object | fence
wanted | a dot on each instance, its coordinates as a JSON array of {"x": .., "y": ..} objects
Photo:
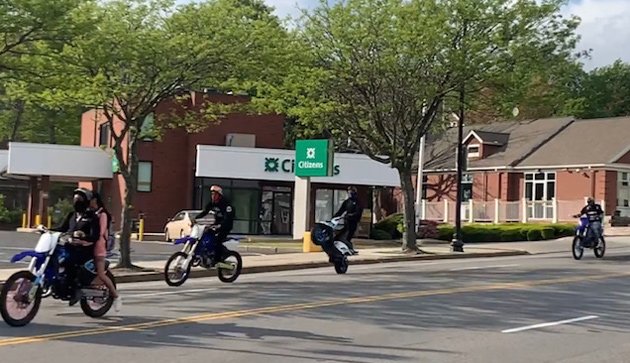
[{"x": 499, "y": 211}]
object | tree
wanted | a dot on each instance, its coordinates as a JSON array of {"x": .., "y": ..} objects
[
  {"x": 25, "y": 22},
  {"x": 605, "y": 91},
  {"x": 377, "y": 71},
  {"x": 141, "y": 53}
]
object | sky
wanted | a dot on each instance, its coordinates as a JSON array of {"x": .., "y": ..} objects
[{"x": 605, "y": 26}]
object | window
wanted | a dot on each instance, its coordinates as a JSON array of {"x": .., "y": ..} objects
[
  {"x": 144, "y": 176},
  {"x": 540, "y": 188},
  {"x": 473, "y": 151},
  {"x": 467, "y": 187},
  {"x": 103, "y": 135},
  {"x": 328, "y": 202},
  {"x": 623, "y": 189}
]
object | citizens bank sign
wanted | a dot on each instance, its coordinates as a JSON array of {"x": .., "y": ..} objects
[{"x": 276, "y": 165}]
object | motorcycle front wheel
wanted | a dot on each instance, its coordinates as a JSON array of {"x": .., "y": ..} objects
[
  {"x": 179, "y": 273},
  {"x": 577, "y": 249},
  {"x": 15, "y": 306}
]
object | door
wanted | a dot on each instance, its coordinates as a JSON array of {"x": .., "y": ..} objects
[{"x": 282, "y": 213}]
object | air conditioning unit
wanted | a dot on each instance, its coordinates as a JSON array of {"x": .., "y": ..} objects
[{"x": 240, "y": 140}]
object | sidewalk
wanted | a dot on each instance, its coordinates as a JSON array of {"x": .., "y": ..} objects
[{"x": 153, "y": 270}]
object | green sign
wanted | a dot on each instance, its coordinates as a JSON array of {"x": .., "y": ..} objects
[
  {"x": 276, "y": 165},
  {"x": 314, "y": 158}
]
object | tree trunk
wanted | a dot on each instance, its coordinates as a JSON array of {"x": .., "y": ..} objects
[
  {"x": 377, "y": 204},
  {"x": 409, "y": 235},
  {"x": 125, "y": 233},
  {"x": 19, "y": 112},
  {"x": 130, "y": 176}
]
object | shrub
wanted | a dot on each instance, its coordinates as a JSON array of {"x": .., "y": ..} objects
[
  {"x": 427, "y": 229},
  {"x": 390, "y": 224},
  {"x": 379, "y": 234},
  {"x": 548, "y": 233},
  {"x": 473, "y": 233},
  {"x": 445, "y": 232},
  {"x": 534, "y": 234}
]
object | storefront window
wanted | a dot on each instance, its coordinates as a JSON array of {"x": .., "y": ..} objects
[{"x": 328, "y": 202}]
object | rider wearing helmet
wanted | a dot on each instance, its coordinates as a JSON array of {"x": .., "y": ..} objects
[
  {"x": 223, "y": 212},
  {"x": 595, "y": 215},
  {"x": 353, "y": 211},
  {"x": 83, "y": 224}
]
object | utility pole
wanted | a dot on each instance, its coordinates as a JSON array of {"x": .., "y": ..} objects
[{"x": 457, "y": 245}]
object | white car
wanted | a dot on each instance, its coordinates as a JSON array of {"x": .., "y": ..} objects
[{"x": 179, "y": 225}]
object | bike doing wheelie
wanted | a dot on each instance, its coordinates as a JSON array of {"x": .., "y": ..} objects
[
  {"x": 198, "y": 250},
  {"x": 587, "y": 237},
  {"x": 329, "y": 235},
  {"x": 22, "y": 293}
]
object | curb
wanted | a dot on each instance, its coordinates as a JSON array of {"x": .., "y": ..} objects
[{"x": 159, "y": 275}]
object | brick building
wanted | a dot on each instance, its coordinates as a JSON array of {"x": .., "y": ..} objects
[{"x": 551, "y": 164}]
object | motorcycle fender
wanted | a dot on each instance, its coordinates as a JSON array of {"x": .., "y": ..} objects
[
  {"x": 31, "y": 253},
  {"x": 342, "y": 247}
]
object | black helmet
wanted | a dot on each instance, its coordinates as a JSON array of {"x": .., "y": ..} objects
[{"x": 85, "y": 193}]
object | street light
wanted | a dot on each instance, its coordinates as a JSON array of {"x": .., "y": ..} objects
[{"x": 457, "y": 245}]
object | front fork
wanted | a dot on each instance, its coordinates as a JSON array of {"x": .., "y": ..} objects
[{"x": 39, "y": 275}]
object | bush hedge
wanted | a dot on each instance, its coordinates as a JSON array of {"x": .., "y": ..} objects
[{"x": 390, "y": 228}]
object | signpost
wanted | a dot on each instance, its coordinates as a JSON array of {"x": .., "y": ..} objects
[{"x": 313, "y": 158}]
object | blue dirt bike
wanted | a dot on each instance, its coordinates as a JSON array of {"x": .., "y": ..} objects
[
  {"x": 585, "y": 238},
  {"x": 198, "y": 251},
  {"x": 22, "y": 293}
]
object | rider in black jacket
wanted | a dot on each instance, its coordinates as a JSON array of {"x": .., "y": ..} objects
[
  {"x": 83, "y": 224},
  {"x": 595, "y": 215},
  {"x": 223, "y": 212},
  {"x": 353, "y": 211}
]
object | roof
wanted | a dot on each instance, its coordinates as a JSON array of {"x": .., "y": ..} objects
[
  {"x": 517, "y": 140},
  {"x": 608, "y": 139},
  {"x": 489, "y": 138}
]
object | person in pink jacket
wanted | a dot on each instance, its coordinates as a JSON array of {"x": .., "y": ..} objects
[{"x": 100, "y": 247}]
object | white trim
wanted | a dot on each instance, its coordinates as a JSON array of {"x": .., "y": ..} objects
[
  {"x": 475, "y": 154},
  {"x": 610, "y": 167},
  {"x": 472, "y": 133},
  {"x": 618, "y": 156}
]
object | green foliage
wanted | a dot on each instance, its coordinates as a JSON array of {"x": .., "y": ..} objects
[
  {"x": 474, "y": 233},
  {"x": 379, "y": 234},
  {"x": 60, "y": 210},
  {"x": 5, "y": 214},
  {"x": 390, "y": 225},
  {"x": 376, "y": 72}
]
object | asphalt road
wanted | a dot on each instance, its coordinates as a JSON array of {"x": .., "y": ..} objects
[
  {"x": 474, "y": 310},
  {"x": 14, "y": 242}
]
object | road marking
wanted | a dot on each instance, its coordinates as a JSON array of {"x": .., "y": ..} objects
[
  {"x": 169, "y": 293},
  {"x": 481, "y": 267},
  {"x": 300, "y": 307},
  {"x": 554, "y": 323}
]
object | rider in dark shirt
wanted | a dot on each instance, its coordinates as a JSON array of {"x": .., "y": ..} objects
[
  {"x": 353, "y": 211},
  {"x": 595, "y": 215},
  {"x": 223, "y": 212},
  {"x": 83, "y": 224}
]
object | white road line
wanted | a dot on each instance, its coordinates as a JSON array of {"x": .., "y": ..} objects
[
  {"x": 175, "y": 292},
  {"x": 481, "y": 267},
  {"x": 544, "y": 325}
]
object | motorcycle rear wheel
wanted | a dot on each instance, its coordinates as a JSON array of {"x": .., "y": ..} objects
[{"x": 96, "y": 311}]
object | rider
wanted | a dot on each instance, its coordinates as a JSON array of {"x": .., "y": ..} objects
[
  {"x": 353, "y": 210},
  {"x": 223, "y": 219},
  {"x": 595, "y": 215},
  {"x": 83, "y": 224}
]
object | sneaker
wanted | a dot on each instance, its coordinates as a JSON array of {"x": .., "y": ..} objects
[
  {"x": 75, "y": 298},
  {"x": 118, "y": 304}
]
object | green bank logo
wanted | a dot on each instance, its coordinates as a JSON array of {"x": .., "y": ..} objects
[
  {"x": 275, "y": 165},
  {"x": 272, "y": 165}
]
